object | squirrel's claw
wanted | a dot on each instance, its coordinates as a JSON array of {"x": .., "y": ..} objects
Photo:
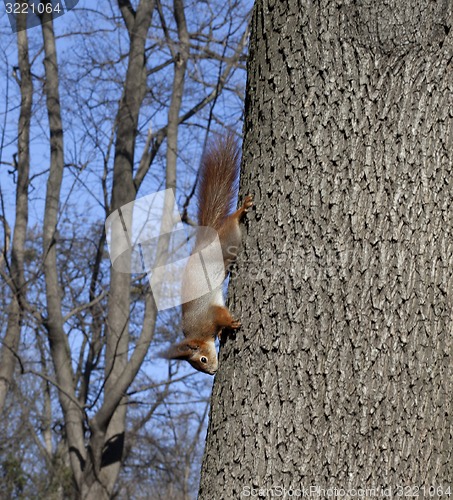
[{"x": 248, "y": 202}]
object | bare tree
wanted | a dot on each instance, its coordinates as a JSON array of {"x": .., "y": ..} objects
[
  {"x": 86, "y": 327},
  {"x": 341, "y": 376},
  {"x": 14, "y": 272}
]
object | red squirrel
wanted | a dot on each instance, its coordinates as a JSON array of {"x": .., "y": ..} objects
[{"x": 204, "y": 318}]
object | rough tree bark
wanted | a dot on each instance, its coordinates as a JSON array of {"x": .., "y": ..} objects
[{"x": 341, "y": 376}]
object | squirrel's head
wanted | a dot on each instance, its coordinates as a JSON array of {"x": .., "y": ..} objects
[{"x": 202, "y": 355}]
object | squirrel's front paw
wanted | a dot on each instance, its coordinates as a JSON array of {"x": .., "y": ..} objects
[{"x": 235, "y": 325}]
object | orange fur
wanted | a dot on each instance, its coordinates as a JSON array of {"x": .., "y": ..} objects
[
  {"x": 206, "y": 317},
  {"x": 218, "y": 183}
]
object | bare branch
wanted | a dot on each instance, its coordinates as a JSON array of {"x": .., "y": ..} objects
[
  {"x": 6, "y": 240},
  {"x": 154, "y": 141},
  {"x": 82, "y": 307},
  {"x": 128, "y": 13}
]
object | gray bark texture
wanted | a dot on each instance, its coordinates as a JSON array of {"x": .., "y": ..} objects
[{"x": 341, "y": 375}]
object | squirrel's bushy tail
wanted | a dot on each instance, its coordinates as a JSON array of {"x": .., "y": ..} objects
[{"x": 218, "y": 181}]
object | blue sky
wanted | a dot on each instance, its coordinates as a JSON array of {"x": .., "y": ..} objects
[{"x": 90, "y": 90}]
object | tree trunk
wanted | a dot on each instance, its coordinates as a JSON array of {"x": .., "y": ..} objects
[
  {"x": 341, "y": 375},
  {"x": 108, "y": 426},
  {"x": 10, "y": 344},
  {"x": 58, "y": 340}
]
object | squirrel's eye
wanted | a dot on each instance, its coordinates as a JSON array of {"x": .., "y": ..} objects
[{"x": 204, "y": 359}]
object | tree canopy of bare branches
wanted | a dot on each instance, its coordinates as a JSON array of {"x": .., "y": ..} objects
[{"x": 103, "y": 105}]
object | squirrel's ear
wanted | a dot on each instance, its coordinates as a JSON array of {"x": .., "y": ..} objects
[{"x": 183, "y": 350}]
